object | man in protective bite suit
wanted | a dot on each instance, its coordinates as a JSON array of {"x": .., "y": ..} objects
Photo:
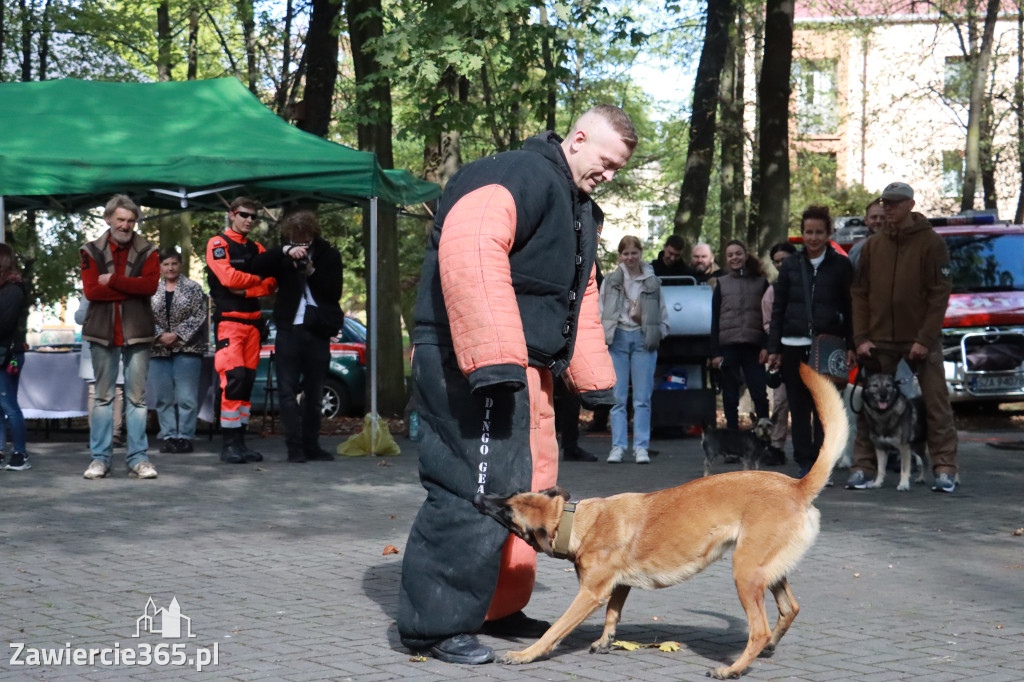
[{"x": 507, "y": 302}]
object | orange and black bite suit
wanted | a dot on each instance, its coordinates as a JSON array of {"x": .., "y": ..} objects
[{"x": 507, "y": 301}]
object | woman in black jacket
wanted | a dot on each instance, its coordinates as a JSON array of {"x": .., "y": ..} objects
[
  {"x": 13, "y": 314},
  {"x": 812, "y": 296}
]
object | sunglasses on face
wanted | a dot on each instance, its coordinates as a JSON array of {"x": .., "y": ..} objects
[{"x": 245, "y": 215}]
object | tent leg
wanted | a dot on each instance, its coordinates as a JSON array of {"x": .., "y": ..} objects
[{"x": 373, "y": 317}]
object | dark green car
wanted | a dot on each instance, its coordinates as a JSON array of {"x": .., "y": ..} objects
[{"x": 345, "y": 385}]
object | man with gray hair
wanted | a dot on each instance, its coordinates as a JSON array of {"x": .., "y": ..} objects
[
  {"x": 900, "y": 293},
  {"x": 120, "y": 274}
]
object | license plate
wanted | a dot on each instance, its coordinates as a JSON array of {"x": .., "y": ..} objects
[{"x": 996, "y": 382}]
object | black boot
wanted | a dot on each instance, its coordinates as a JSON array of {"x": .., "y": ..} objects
[
  {"x": 315, "y": 453},
  {"x": 250, "y": 454},
  {"x": 232, "y": 452}
]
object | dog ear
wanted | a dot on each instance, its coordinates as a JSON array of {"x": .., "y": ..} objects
[{"x": 557, "y": 491}]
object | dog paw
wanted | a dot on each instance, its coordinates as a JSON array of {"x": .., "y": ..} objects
[
  {"x": 515, "y": 658},
  {"x": 767, "y": 652},
  {"x": 903, "y": 487},
  {"x": 873, "y": 484},
  {"x": 722, "y": 674},
  {"x": 600, "y": 648}
]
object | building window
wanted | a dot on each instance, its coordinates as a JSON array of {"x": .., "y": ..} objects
[
  {"x": 956, "y": 83},
  {"x": 953, "y": 173},
  {"x": 816, "y": 96}
]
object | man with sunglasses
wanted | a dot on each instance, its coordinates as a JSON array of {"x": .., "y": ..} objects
[
  {"x": 900, "y": 293},
  {"x": 236, "y": 297}
]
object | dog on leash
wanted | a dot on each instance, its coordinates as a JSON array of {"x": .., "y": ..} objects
[
  {"x": 896, "y": 423},
  {"x": 750, "y": 446},
  {"x": 653, "y": 540}
]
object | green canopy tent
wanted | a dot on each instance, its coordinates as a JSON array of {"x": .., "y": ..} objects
[{"x": 67, "y": 145}]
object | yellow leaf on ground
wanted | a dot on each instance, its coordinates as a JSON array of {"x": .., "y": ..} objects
[
  {"x": 669, "y": 646},
  {"x": 628, "y": 646}
]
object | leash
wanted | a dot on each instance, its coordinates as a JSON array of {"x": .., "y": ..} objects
[{"x": 560, "y": 550}]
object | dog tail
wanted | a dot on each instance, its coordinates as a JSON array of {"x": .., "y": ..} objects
[{"x": 829, "y": 403}]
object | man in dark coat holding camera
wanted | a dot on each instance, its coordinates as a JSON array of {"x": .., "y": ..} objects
[{"x": 307, "y": 314}]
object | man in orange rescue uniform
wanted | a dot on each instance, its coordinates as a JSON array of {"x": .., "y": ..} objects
[
  {"x": 236, "y": 295},
  {"x": 507, "y": 302}
]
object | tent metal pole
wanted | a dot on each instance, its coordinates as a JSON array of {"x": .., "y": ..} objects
[
  {"x": 3, "y": 221},
  {"x": 373, "y": 320}
]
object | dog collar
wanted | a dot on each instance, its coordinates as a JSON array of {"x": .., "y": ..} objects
[{"x": 561, "y": 547}]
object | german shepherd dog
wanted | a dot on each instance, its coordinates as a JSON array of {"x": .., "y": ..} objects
[
  {"x": 751, "y": 446},
  {"x": 896, "y": 423},
  {"x": 653, "y": 540}
]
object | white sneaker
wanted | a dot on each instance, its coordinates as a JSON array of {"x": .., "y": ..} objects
[
  {"x": 641, "y": 456},
  {"x": 143, "y": 469},
  {"x": 615, "y": 456},
  {"x": 97, "y": 469}
]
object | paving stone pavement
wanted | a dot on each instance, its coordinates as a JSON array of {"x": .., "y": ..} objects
[{"x": 281, "y": 566}]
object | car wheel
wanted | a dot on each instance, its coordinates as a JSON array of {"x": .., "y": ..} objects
[{"x": 336, "y": 402}]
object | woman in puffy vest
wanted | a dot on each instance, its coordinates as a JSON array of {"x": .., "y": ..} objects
[
  {"x": 635, "y": 321},
  {"x": 737, "y": 332}
]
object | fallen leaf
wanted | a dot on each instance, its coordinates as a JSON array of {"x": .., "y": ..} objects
[
  {"x": 628, "y": 646},
  {"x": 669, "y": 646},
  {"x": 1018, "y": 532},
  {"x": 390, "y": 549},
  {"x": 999, "y": 626},
  {"x": 655, "y": 618},
  {"x": 856, "y": 575},
  {"x": 417, "y": 659}
]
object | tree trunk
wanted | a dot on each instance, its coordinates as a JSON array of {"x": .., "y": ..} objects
[
  {"x": 549, "y": 69},
  {"x": 739, "y": 171},
  {"x": 442, "y": 155},
  {"x": 754, "y": 215},
  {"x": 774, "y": 91},
  {"x": 979, "y": 77},
  {"x": 44, "y": 42},
  {"x": 26, "y": 41},
  {"x": 373, "y": 106},
  {"x": 321, "y": 67},
  {"x": 281, "y": 98},
  {"x": 1018, "y": 98},
  {"x": 192, "y": 68},
  {"x": 3, "y": 33},
  {"x": 729, "y": 137},
  {"x": 245, "y": 14},
  {"x": 693, "y": 196},
  {"x": 163, "y": 42}
]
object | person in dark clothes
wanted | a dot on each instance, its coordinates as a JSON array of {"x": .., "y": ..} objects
[
  {"x": 670, "y": 261},
  {"x": 308, "y": 271}
]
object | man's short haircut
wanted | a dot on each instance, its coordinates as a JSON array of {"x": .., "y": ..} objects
[
  {"x": 706, "y": 245},
  {"x": 817, "y": 213},
  {"x": 676, "y": 242},
  {"x": 619, "y": 121},
  {"x": 121, "y": 201},
  {"x": 300, "y": 226},
  {"x": 877, "y": 201},
  {"x": 782, "y": 246},
  {"x": 246, "y": 202},
  {"x": 169, "y": 252}
]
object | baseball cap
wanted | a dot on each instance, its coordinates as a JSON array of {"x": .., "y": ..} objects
[{"x": 897, "y": 191}]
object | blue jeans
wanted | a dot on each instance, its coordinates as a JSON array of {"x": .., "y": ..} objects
[
  {"x": 105, "y": 361},
  {"x": 632, "y": 361},
  {"x": 176, "y": 384},
  {"x": 10, "y": 411}
]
